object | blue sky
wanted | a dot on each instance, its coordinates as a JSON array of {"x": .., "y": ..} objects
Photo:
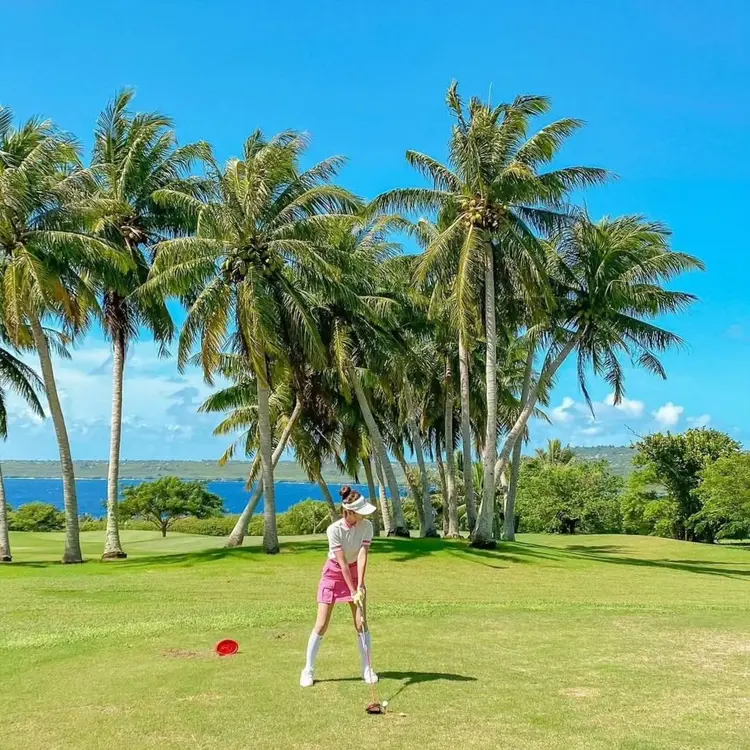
[{"x": 662, "y": 86}]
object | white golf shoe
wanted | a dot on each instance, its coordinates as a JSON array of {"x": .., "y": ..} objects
[
  {"x": 306, "y": 679},
  {"x": 369, "y": 676}
]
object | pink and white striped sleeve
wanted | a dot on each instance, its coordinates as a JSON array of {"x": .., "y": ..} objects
[
  {"x": 334, "y": 537},
  {"x": 367, "y": 539}
]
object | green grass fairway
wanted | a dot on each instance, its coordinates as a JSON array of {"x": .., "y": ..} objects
[{"x": 553, "y": 642}]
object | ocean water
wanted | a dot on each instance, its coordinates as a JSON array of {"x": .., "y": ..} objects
[{"x": 92, "y": 493}]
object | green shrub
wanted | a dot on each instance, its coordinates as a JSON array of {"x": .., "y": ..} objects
[
  {"x": 306, "y": 517},
  {"x": 255, "y": 528},
  {"x": 220, "y": 526},
  {"x": 36, "y": 517},
  {"x": 89, "y": 523},
  {"x": 136, "y": 524}
]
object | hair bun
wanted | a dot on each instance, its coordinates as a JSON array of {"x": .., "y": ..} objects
[{"x": 345, "y": 491}]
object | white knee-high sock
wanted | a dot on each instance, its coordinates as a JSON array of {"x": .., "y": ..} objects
[
  {"x": 364, "y": 641},
  {"x": 313, "y": 644}
]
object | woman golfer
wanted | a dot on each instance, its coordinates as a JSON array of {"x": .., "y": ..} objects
[{"x": 343, "y": 580}]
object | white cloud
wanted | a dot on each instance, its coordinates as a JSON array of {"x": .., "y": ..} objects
[
  {"x": 702, "y": 421},
  {"x": 562, "y": 413},
  {"x": 736, "y": 332},
  {"x": 629, "y": 406},
  {"x": 669, "y": 414},
  {"x": 593, "y": 430},
  {"x": 160, "y": 409}
]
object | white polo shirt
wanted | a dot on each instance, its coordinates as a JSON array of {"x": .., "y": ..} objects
[{"x": 349, "y": 539}]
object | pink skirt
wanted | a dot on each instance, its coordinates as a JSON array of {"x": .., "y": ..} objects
[{"x": 332, "y": 588}]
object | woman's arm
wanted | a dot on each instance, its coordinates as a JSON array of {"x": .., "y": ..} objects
[
  {"x": 345, "y": 570},
  {"x": 362, "y": 565}
]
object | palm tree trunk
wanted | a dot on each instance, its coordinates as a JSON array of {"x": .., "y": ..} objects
[
  {"x": 5, "y": 555},
  {"x": 72, "y": 553},
  {"x": 497, "y": 522},
  {"x": 237, "y": 536},
  {"x": 270, "y": 534},
  {"x": 530, "y": 405},
  {"x": 372, "y": 494},
  {"x": 428, "y": 521},
  {"x": 382, "y": 456},
  {"x": 327, "y": 496},
  {"x": 463, "y": 360},
  {"x": 416, "y": 493},
  {"x": 483, "y": 536},
  {"x": 112, "y": 546},
  {"x": 450, "y": 484},
  {"x": 385, "y": 511},
  {"x": 443, "y": 486},
  {"x": 509, "y": 516}
]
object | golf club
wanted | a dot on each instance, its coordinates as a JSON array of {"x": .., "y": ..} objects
[{"x": 376, "y": 707}]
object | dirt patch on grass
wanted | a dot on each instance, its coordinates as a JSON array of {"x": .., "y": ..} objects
[{"x": 182, "y": 653}]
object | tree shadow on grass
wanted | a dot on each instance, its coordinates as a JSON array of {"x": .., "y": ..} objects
[
  {"x": 187, "y": 559},
  {"x": 408, "y": 679},
  {"x": 707, "y": 567},
  {"x": 399, "y": 550},
  {"x": 593, "y": 549},
  {"x": 405, "y": 550}
]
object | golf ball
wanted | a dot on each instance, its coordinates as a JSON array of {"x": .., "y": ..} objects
[{"x": 385, "y": 704}]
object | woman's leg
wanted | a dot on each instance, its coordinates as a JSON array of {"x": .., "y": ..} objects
[
  {"x": 313, "y": 644},
  {"x": 323, "y": 619}
]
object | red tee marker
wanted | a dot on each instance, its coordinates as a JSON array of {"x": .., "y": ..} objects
[{"x": 227, "y": 647}]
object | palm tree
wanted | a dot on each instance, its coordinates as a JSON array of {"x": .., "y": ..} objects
[
  {"x": 555, "y": 453},
  {"x": 18, "y": 377},
  {"x": 240, "y": 400},
  {"x": 496, "y": 199},
  {"x": 360, "y": 326},
  {"x": 253, "y": 268},
  {"x": 46, "y": 252},
  {"x": 608, "y": 278},
  {"x": 134, "y": 156}
]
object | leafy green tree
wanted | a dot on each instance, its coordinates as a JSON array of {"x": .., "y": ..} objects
[
  {"x": 675, "y": 462},
  {"x": 646, "y": 509},
  {"x": 569, "y": 498},
  {"x": 164, "y": 500},
  {"x": 724, "y": 491},
  {"x": 37, "y": 517},
  {"x": 252, "y": 270}
]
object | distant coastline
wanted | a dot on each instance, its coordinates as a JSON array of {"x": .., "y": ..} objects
[{"x": 287, "y": 471}]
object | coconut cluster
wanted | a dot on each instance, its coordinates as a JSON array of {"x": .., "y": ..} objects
[
  {"x": 481, "y": 213},
  {"x": 235, "y": 268}
]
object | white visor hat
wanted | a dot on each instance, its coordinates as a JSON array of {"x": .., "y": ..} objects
[{"x": 361, "y": 506}]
